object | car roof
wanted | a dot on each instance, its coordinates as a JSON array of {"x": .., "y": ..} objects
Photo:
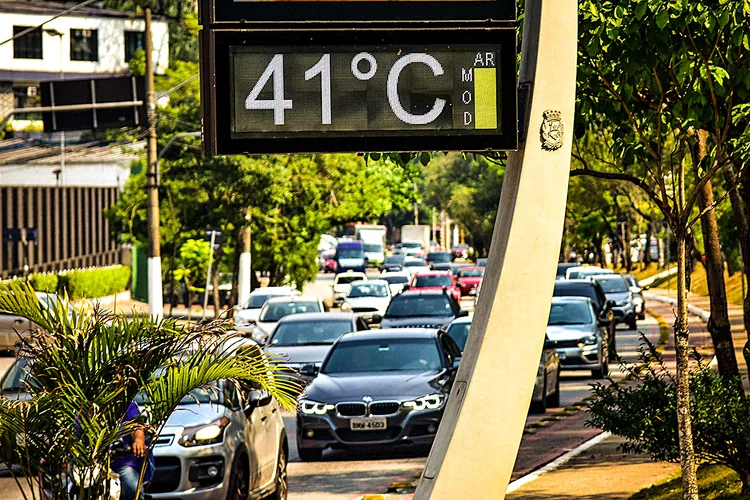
[
  {"x": 317, "y": 316},
  {"x": 371, "y": 282},
  {"x": 389, "y": 334},
  {"x": 469, "y": 268},
  {"x": 432, "y": 273},
  {"x": 406, "y": 274},
  {"x": 608, "y": 277},
  {"x": 293, "y": 298},
  {"x": 462, "y": 320},
  {"x": 423, "y": 292},
  {"x": 565, "y": 283},
  {"x": 571, "y": 298},
  {"x": 266, "y": 290}
]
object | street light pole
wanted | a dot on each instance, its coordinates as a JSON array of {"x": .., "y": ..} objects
[
  {"x": 155, "y": 298},
  {"x": 60, "y": 34}
]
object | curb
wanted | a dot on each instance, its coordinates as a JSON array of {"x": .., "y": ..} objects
[
  {"x": 664, "y": 274},
  {"x": 695, "y": 311}
]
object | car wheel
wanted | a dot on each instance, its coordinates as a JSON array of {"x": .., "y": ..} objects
[
  {"x": 540, "y": 407},
  {"x": 310, "y": 454},
  {"x": 554, "y": 399},
  {"x": 642, "y": 316},
  {"x": 282, "y": 484},
  {"x": 632, "y": 324},
  {"x": 603, "y": 369},
  {"x": 239, "y": 486}
]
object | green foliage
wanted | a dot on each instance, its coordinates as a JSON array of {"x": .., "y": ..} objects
[
  {"x": 645, "y": 413},
  {"x": 192, "y": 264},
  {"x": 44, "y": 282},
  {"x": 95, "y": 282},
  {"x": 88, "y": 366},
  {"x": 137, "y": 63}
]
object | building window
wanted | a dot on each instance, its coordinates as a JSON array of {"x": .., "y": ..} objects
[
  {"x": 134, "y": 40},
  {"x": 84, "y": 45},
  {"x": 28, "y": 46}
]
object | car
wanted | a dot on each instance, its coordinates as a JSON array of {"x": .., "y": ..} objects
[
  {"x": 547, "y": 386},
  {"x": 369, "y": 297},
  {"x": 638, "y": 300},
  {"x": 578, "y": 334},
  {"x": 455, "y": 268},
  {"x": 327, "y": 262},
  {"x": 245, "y": 318},
  {"x": 276, "y": 308},
  {"x": 397, "y": 281},
  {"x": 603, "y": 307},
  {"x": 411, "y": 248},
  {"x": 436, "y": 280},
  {"x": 379, "y": 388},
  {"x": 304, "y": 339},
  {"x": 460, "y": 251},
  {"x": 415, "y": 265},
  {"x": 469, "y": 279},
  {"x": 342, "y": 282},
  {"x": 350, "y": 256},
  {"x": 439, "y": 261},
  {"x": 421, "y": 308},
  {"x": 13, "y": 327},
  {"x": 562, "y": 267},
  {"x": 482, "y": 262},
  {"x": 13, "y": 382},
  {"x": 580, "y": 272},
  {"x": 393, "y": 263},
  {"x": 374, "y": 254},
  {"x": 617, "y": 289}
]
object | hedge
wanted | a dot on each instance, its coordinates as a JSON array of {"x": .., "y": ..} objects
[
  {"x": 95, "y": 282},
  {"x": 47, "y": 282}
]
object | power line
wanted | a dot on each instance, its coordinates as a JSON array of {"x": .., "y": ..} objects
[{"x": 63, "y": 13}]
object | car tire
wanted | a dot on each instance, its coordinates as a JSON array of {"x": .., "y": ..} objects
[
  {"x": 540, "y": 407},
  {"x": 239, "y": 480},
  {"x": 603, "y": 369},
  {"x": 632, "y": 324},
  {"x": 282, "y": 480},
  {"x": 310, "y": 454},
  {"x": 554, "y": 399},
  {"x": 642, "y": 316}
]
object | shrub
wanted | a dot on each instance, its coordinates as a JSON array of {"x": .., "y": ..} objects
[
  {"x": 646, "y": 413},
  {"x": 46, "y": 282},
  {"x": 93, "y": 283}
]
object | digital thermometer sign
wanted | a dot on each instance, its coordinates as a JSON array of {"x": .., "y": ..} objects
[{"x": 361, "y": 97}]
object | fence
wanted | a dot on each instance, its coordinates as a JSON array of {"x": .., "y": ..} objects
[{"x": 72, "y": 231}]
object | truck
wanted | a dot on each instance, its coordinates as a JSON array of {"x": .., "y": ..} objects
[
  {"x": 414, "y": 232},
  {"x": 373, "y": 238},
  {"x": 350, "y": 256}
]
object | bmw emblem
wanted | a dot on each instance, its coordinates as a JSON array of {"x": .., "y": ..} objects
[{"x": 367, "y": 399}]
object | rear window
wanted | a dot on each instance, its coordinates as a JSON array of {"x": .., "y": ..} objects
[
  {"x": 407, "y": 306},
  {"x": 570, "y": 313},
  {"x": 345, "y": 280},
  {"x": 439, "y": 257},
  {"x": 276, "y": 311},
  {"x": 395, "y": 280},
  {"x": 613, "y": 285},
  {"x": 576, "y": 290},
  {"x": 471, "y": 273},
  {"x": 394, "y": 259},
  {"x": 429, "y": 281},
  {"x": 256, "y": 301}
]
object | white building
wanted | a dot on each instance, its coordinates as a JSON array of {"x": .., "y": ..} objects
[{"x": 89, "y": 42}]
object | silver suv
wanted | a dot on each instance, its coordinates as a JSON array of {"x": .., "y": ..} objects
[{"x": 219, "y": 445}]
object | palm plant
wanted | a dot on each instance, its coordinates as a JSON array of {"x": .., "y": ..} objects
[{"x": 86, "y": 367}]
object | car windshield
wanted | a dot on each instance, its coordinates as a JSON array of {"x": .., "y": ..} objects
[
  {"x": 407, "y": 355},
  {"x": 570, "y": 313},
  {"x": 459, "y": 332},
  {"x": 394, "y": 259},
  {"x": 320, "y": 332},
  {"x": 373, "y": 247},
  {"x": 411, "y": 244},
  {"x": 256, "y": 301},
  {"x": 406, "y": 306},
  {"x": 277, "y": 310},
  {"x": 427, "y": 281},
  {"x": 369, "y": 290},
  {"x": 17, "y": 376},
  {"x": 349, "y": 253},
  {"x": 440, "y": 257},
  {"x": 613, "y": 285},
  {"x": 415, "y": 263},
  {"x": 345, "y": 280},
  {"x": 471, "y": 273},
  {"x": 213, "y": 392},
  {"x": 395, "y": 280}
]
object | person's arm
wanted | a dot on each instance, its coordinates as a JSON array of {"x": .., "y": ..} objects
[{"x": 139, "y": 443}]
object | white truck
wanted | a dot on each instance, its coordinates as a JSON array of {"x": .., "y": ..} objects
[
  {"x": 373, "y": 237},
  {"x": 413, "y": 232}
]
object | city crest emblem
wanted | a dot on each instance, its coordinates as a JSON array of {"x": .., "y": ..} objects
[{"x": 552, "y": 130}]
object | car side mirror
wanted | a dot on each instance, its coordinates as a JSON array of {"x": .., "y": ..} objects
[
  {"x": 256, "y": 399},
  {"x": 309, "y": 370},
  {"x": 462, "y": 313},
  {"x": 375, "y": 319},
  {"x": 611, "y": 303}
]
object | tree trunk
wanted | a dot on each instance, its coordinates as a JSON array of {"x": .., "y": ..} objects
[
  {"x": 627, "y": 249},
  {"x": 647, "y": 247},
  {"x": 215, "y": 291},
  {"x": 718, "y": 324},
  {"x": 682, "y": 333},
  {"x": 740, "y": 215}
]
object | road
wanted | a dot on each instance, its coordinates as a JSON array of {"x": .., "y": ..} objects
[{"x": 347, "y": 475}]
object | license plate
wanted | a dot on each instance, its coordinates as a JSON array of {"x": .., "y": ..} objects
[{"x": 368, "y": 424}]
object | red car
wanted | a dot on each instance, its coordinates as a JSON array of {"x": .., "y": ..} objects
[
  {"x": 469, "y": 279},
  {"x": 436, "y": 280}
]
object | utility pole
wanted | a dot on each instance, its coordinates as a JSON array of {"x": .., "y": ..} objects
[
  {"x": 155, "y": 293},
  {"x": 244, "y": 283}
]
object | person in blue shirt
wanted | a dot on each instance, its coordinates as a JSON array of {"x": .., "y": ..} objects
[{"x": 129, "y": 466}]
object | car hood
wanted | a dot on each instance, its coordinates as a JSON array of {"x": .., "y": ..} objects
[
  {"x": 266, "y": 326},
  {"x": 302, "y": 354},
  {"x": 570, "y": 332},
  {"x": 193, "y": 414},
  {"x": 248, "y": 314},
  {"x": 618, "y": 296},
  {"x": 379, "y": 386},
  {"x": 378, "y": 302},
  {"x": 414, "y": 321},
  {"x": 342, "y": 288}
]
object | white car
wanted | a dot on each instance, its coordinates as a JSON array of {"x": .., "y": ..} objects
[
  {"x": 413, "y": 265},
  {"x": 411, "y": 247},
  {"x": 581, "y": 272},
  {"x": 342, "y": 283},
  {"x": 277, "y": 307},
  {"x": 245, "y": 318},
  {"x": 371, "y": 296},
  {"x": 397, "y": 280}
]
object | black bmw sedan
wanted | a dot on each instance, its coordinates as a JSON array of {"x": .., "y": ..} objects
[{"x": 378, "y": 388}]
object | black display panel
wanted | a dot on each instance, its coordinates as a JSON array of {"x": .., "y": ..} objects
[{"x": 386, "y": 96}]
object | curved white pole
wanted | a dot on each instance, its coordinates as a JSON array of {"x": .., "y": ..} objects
[{"x": 476, "y": 446}]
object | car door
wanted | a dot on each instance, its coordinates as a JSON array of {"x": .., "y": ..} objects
[
  {"x": 10, "y": 328},
  {"x": 264, "y": 447}
]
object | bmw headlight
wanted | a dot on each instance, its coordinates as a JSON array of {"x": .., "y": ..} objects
[
  {"x": 202, "y": 435},
  {"x": 429, "y": 402},
  {"x": 309, "y": 407}
]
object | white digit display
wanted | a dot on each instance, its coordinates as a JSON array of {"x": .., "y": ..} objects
[
  {"x": 395, "y": 101},
  {"x": 278, "y": 104},
  {"x": 364, "y": 56},
  {"x": 323, "y": 68}
]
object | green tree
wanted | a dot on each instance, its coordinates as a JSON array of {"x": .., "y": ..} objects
[{"x": 192, "y": 265}]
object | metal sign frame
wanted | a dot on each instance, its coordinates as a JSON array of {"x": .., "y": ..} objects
[
  {"x": 216, "y": 94},
  {"x": 235, "y": 12}
]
